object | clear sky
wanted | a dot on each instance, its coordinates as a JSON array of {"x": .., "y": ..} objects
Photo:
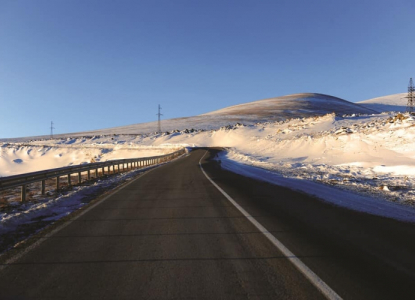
[{"x": 92, "y": 64}]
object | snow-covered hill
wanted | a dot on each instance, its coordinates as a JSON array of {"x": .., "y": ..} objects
[
  {"x": 273, "y": 109},
  {"x": 292, "y": 106},
  {"x": 396, "y": 102}
]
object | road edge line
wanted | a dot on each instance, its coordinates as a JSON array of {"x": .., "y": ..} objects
[{"x": 328, "y": 292}]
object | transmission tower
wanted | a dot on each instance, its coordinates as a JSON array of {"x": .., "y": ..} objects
[
  {"x": 411, "y": 97},
  {"x": 51, "y": 129},
  {"x": 159, "y": 123}
]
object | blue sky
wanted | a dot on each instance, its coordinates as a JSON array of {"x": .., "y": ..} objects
[{"x": 96, "y": 64}]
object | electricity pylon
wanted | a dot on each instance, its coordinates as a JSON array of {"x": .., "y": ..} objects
[
  {"x": 51, "y": 129},
  {"x": 159, "y": 123},
  {"x": 411, "y": 97}
]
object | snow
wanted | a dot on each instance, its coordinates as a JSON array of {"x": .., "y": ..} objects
[
  {"x": 18, "y": 158},
  {"x": 334, "y": 149},
  {"x": 396, "y": 102}
]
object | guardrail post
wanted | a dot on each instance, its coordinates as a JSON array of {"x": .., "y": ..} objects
[
  {"x": 57, "y": 184},
  {"x": 96, "y": 173},
  {"x": 89, "y": 174},
  {"x": 23, "y": 194},
  {"x": 79, "y": 178},
  {"x": 43, "y": 186},
  {"x": 69, "y": 180}
]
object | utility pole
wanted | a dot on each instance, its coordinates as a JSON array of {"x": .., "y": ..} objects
[
  {"x": 159, "y": 124},
  {"x": 51, "y": 129},
  {"x": 411, "y": 97}
]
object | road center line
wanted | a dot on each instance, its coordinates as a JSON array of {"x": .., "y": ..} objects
[{"x": 307, "y": 272}]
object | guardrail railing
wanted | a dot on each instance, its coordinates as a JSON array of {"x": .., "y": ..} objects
[{"x": 117, "y": 166}]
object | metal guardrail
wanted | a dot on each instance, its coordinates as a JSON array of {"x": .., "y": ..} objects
[{"x": 117, "y": 166}]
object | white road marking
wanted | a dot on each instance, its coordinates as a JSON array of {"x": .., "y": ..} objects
[{"x": 311, "y": 276}]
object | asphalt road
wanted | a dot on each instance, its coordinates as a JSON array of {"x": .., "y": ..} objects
[{"x": 172, "y": 234}]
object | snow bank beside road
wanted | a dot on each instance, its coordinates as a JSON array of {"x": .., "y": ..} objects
[{"x": 327, "y": 193}]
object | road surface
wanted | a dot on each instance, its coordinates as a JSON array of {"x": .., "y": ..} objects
[{"x": 171, "y": 234}]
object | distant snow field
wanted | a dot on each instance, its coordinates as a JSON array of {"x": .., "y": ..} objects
[
  {"x": 312, "y": 137},
  {"x": 395, "y": 103}
]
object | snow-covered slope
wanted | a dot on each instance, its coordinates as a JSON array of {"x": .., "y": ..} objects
[
  {"x": 274, "y": 109},
  {"x": 292, "y": 106},
  {"x": 396, "y": 102}
]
